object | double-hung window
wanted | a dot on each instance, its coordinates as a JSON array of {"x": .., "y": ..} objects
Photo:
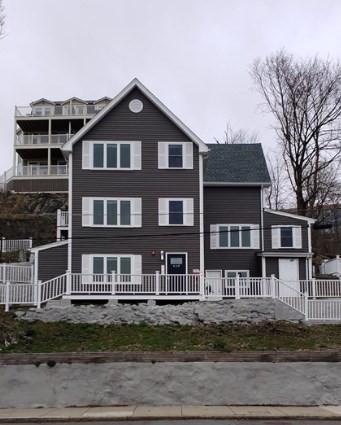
[
  {"x": 111, "y": 212},
  {"x": 286, "y": 236},
  {"x": 234, "y": 236},
  {"x": 175, "y": 155},
  {"x": 176, "y": 212},
  {"x": 111, "y": 155}
]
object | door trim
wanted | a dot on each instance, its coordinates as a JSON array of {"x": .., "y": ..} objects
[{"x": 177, "y": 253}]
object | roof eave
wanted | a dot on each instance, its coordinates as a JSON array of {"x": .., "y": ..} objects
[
  {"x": 285, "y": 214},
  {"x": 261, "y": 184}
]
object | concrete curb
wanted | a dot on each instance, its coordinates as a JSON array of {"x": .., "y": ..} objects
[{"x": 134, "y": 413}]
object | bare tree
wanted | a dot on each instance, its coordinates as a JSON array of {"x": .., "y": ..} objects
[
  {"x": 2, "y": 20},
  {"x": 305, "y": 98},
  {"x": 277, "y": 196},
  {"x": 233, "y": 137}
]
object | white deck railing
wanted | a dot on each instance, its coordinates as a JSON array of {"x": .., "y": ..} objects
[
  {"x": 41, "y": 139},
  {"x": 11, "y": 245},
  {"x": 62, "y": 218},
  {"x": 321, "y": 288},
  {"x": 16, "y": 274},
  {"x": 324, "y": 310}
]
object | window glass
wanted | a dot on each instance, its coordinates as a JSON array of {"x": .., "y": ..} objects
[
  {"x": 125, "y": 213},
  {"x": 175, "y": 212},
  {"x": 111, "y": 265},
  {"x": 286, "y": 237},
  {"x": 98, "y": 212},
  {"x": 125, "y": 265},
  {"x": 246, "y": 236},
  {"x": 98, "y": 155},
  {"x": 223, "y": 236},
  {"x": 234, "y": 236},
  {"x": 98, "y": 265},
  {"x": 125, "y": 156},
  {"x": 111, "y": 155},
  {"x": 175, "y": 156},
  {"x": 112, "y": 213}
]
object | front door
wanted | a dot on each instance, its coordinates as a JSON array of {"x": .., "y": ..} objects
[
  {"x": 214, "y": 282},
  {"x": 176, "y": 265},
  {"x": 288, "y": 270}
]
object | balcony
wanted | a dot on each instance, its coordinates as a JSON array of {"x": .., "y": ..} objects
[
  {"x": 57, "y": 111},
  {"x": 42, "y": 139},
  {"x": 41, "y": 170}
]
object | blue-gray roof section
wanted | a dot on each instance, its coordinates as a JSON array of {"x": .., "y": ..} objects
[{"x": 239, "y": 163}]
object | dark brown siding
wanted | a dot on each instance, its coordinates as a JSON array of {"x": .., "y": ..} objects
[
  {"x": 52, "y": 262},
  {"x": 273, "y": 268},
  {"x": 36, "y": 185},
  {"x": 239, "y": 205},
  {"x": 275, "y": 219},
  {"x": 150, "y": 127}
]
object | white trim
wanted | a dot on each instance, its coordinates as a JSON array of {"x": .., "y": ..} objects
[
  {"x": 236, "y": 271},
  {"x": 280, "y": 254},
  {"x": 237, "y": 184},
  {"x": 187, "y": 215},
  {"x": 285, "y": 214},
  {"x": 213, "y": 271},
  {"x": 201, "y": 215},
  {"x": 263, "y": 267},
  {"x": 88, "y": 155},
  {"x": 176, "y": 253},
  {"x": 88, "y": 205},
  {"x": 163, "y": 155},
  {"x": 276, "y": 236},
  {"x": 49, "y": 246},
  {"x": 262, "y": 217},
  {"x": 69, "y": 267},
  {"x": 215, "y": 236},
  {"x": 134, "y": 83}
]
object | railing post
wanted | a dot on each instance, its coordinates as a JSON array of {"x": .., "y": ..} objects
[
  {"x": 313, "y": 288},
  {"x": 7, "y": 296},
  {"x": 236, "y": 285},
  {"x": 38, "y": 299},
  {"x": 273, "y": 286},
  {"x": 68, "y": 282},
  {"x": 306, "y": 312},
  {"x": 157, "y": 283},
  {"x": 113, "y": 280},
  {"x": 202, "y": 285},
  {"x": 30, "y": 243},
  {"x": 3, "y": 245}
]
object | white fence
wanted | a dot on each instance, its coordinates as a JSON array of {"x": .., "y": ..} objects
[
  {"x": 16, "y": 274},
  {"x": 11, "y": 245},
  {"x": 62, "y": 218},
  {"x": 175, "y": 287}
]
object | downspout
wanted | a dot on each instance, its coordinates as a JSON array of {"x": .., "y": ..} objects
[
  {"x": 262, "y": 229},
  {"x": 201, "y": 213},
  {"x": 69, "y": 267}
]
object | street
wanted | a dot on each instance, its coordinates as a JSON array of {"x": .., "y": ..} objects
[{"x": 203, "y": 422}]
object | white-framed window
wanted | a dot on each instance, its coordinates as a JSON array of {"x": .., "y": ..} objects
[
  {"x": 175, "y": 155},
  {"x": 42, "y": 110},
  {"x": 232, "y": 274},
  {"x": 99, "y": 267},
  {"x": 234, "y": 236},
  {"x": 111, "y": 212},
  {"x": 111, "y": 155},
  {"x": 286, "y": 236},
  {"x": 176, "y": 212}
]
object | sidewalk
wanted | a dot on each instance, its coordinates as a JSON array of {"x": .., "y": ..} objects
[{"x": 168, "y": 412}]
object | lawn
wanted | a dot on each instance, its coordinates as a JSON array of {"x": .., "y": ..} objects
[{"x": 38, "y": 337}]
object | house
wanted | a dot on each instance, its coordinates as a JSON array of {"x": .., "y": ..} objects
[
  {"x": 41, "y": 129},
  {"x": 331, "y": 267},
  {"x": 148, "y": 198}
]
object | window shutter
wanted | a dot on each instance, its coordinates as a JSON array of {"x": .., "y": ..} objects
[
  {"x": 188, "y": 160},
  {"x": 136, "y": 212},
  {"x": 136, "y": 155},
  {"x": 86, "y": 160},
  {"x": 87, "y": 218},
  {"x": 163, "y": 154},
  {"x": 214, "y": 236},
  {"x": 136, "y": 268},
  {"x": 297, "y": 237},
  {"x": 255, "y": 236},
  {"x": 188, "y": 212},
  {"x": 163, "y": 212},
  {"x": 275, "y": 237},
  {"x": 86, "y": 268}
]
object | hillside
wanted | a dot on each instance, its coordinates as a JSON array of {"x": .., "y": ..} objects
[{"x": 30, "y": 215}]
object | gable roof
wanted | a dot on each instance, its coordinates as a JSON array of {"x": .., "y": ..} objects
[
  {"x": 236, "y": 164},
  {"x": 135, "y": 83},
  {"x": 290, "y": 215}
]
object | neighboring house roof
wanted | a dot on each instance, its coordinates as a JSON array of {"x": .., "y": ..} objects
[
  {"x": 236, "y": 164},
  {"x": 295, "y": 216},
  {"x": 134, "y": 84}
]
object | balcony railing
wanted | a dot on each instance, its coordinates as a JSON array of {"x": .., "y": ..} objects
[
  {"x": 42, "y": 139},
  {"x": 41, "y": 170},
  {"x": 59, "y": 111},
  {"x": 62, "y": 218}
]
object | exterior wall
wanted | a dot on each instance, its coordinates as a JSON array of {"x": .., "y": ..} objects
[
  {"x": 52, "y": 262},
  {"x": 38, "y": 185},
  {"x": 275, "y": 219},
  {"x": 150, "y": 127},
  {"x": 239, "y": 205},
  {"x": 273, "y": 268}
]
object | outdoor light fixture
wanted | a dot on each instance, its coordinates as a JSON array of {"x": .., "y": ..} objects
[{"x": 162, "y": 257}]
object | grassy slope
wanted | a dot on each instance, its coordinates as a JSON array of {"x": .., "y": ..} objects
[{"x": 62, "y": 337}]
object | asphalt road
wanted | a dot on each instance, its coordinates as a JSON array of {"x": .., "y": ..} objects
[{"x": 201, "y": 422}]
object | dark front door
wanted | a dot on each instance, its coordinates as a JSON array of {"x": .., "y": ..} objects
[{"x": 176, "y": 265}]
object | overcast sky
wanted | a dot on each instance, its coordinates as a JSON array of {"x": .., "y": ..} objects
[{"x": 194, "y": 55}]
